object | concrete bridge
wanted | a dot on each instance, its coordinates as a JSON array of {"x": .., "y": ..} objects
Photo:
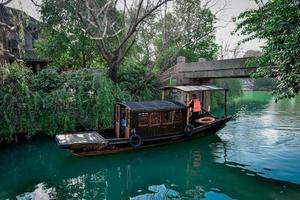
[{"x": 203, "y": 71}]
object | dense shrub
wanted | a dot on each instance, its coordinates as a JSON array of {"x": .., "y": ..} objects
[
  {"x": 51, "y": 102},
  {"x": 14, "y": 92}
]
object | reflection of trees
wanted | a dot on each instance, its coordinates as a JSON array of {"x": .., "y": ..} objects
[{"x": 247, "y": 104}]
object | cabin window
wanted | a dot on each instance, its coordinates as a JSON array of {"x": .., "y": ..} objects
[
  {"x": 177, "y": 116},
  {"x": 167, "y": 117},
  {"x": 155, "y": 119},
  {"x": 143, "y": 119}
]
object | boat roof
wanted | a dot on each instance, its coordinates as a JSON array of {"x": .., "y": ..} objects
[
  {"x": 192, "y": 88},
  {"x": 148, "y": 106}
]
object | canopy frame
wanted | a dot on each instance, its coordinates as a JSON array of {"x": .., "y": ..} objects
[{"x": 195, "y": 88}]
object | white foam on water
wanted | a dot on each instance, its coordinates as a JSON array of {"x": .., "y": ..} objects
[{"x": 40, "y": 192}]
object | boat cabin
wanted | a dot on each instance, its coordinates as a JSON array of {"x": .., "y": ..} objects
[{"x": 149, "y": 118}]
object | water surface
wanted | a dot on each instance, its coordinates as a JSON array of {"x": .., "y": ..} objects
[{"x": 256, "y": 156}]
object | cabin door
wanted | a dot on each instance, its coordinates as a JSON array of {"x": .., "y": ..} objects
[
  {"x": 122, "y": 118},
  {"x": 127, "y": 128},
  {"x": 117, "y": 120}
]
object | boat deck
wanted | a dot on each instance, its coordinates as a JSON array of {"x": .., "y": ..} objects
[{"x": 65, "y": 140}]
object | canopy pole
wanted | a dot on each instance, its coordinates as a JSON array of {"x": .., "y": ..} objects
[
  {"x": 187, "y": 97},
  {"x": 163, "y": 95},
  {"x": 225, "y": 103}
]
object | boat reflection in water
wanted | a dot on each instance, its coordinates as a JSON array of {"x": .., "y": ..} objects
[{"x": 188, "y": 170}]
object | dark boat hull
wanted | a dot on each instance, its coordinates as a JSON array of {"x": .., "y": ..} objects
[{"x": 122, "y": 145}]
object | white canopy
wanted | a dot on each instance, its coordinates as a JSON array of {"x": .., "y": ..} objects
[{"x": 189, "y": 88}]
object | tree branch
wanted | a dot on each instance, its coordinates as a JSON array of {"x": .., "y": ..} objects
[
  {"x": 5, "y": 2},
  {"x": 36, "y": 4},
  {"x": 135, "y": 25}
]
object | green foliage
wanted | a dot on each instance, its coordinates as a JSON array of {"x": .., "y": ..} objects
[
  {"x": 68, "y": 47},
  {"x": 132, "y": 80},
  {"x": 47, "y": 80},
  {"x": 17, "y": 84},
  {"x": 13, "y": 92},
  {"x": 277, "y": 23},
  {"x": 198, "y": 38},
  {"x": 51, "y": 102},
  {"x": 234, "y": 87},
  {"x": 62, "y": 39}
]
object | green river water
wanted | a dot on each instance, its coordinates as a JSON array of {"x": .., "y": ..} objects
[{"x": 256, "y": 156}]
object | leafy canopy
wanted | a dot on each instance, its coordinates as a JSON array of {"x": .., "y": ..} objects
[
  {"x": 277, "y": 22},
  {"x": 63, "y": 41}
]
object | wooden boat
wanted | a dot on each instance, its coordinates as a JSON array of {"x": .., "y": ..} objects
[{"x": 150, "y": 123}]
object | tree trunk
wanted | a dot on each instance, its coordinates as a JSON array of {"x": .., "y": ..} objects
[{"x": 113, "y": 71}]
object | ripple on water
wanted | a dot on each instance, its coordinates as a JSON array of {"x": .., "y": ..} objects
[{"x": 265, "y": 138}]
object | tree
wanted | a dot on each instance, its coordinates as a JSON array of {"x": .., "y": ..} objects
[
  {"x": 112, "y": 24},
  {"x": 184, "y": 29},
  {"x": 277, "y": 23},
  {"x": 224, "y": 50},
  {"x": 228, "y": 51},
  {"x": 63, "y": 40},
  {"x": 115, "y": 31},
  {"x": 4, "y": 2},
  {"x": 197, "y": 21}
]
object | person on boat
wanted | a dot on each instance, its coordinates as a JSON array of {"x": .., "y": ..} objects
[
  {"x": 195, "y": 105},
  {"x": 123, "y": 125}
]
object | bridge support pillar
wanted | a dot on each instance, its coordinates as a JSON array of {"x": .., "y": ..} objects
[{"x": 179, "y": 69}]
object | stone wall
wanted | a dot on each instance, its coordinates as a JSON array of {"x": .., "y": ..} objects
[{"x": 12, "y": 44}]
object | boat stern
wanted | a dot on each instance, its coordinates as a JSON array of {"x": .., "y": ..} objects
[{"x": 80, "y": 140}]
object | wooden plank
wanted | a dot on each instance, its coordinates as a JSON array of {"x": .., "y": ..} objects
[{"x": 80, "y": 138}]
